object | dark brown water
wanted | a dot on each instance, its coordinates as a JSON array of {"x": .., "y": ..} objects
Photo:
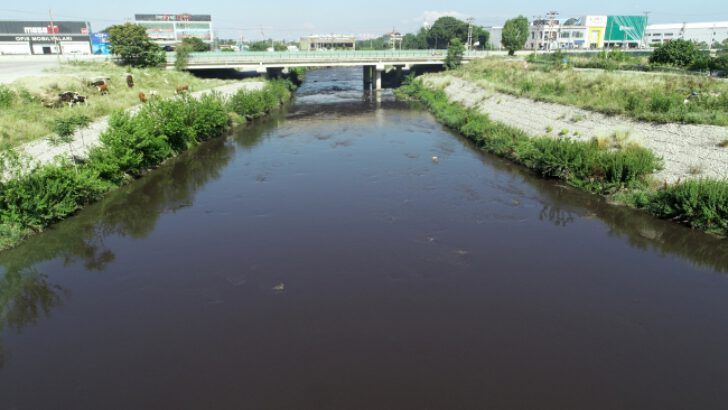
[{"x": 323, "y": 260}]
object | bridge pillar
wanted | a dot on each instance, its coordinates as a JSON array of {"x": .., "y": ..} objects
[
  {"x": 378, "y": 70},
  {"x": 274, "y": 72},
  {"x": 367, "y": 70}
]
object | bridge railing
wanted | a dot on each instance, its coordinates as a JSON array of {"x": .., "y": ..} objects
[{"x": 317, "y": 56}]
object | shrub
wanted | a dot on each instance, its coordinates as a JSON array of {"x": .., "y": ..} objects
[
  {"x": 7, "y": 96},
  {"x": 48, "y": 194},
  {"x": 679, "y": 53},
  {"x": 702, "y": 204}
]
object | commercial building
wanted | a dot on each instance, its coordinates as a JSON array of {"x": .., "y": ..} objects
[
  {"x": 42, "y": 37},
  {"x": 328, "y": 42},
  {"x": 544, "y": 34},
  {"x": 596, "y": 27},
  {"x": 708, "y": 34},
  {"x": 169, "y": 29}
]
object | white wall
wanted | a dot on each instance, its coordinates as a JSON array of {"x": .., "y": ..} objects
[
  {"x": 76, "y": 47},
  {"x": 14, "y": 48}
]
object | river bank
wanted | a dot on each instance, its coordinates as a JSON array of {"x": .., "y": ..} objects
[
  {"x": 688, "y": 150},
  {"x": 609, "y": 164},
  {"x": 42, "y": 151},
  {"x": 37, "y": 192}
]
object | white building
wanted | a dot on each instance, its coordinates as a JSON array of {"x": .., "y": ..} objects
[
  {"x": 42, "y": 37},
  {"x": 495, "y": 41},
  {"x": 543, "y": 34},
  {"x": 709, "y": 33},
  {"x": 169, "y": 29}
]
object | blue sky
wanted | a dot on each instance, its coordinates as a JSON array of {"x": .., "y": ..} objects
[{"x": 290, "y": 19}]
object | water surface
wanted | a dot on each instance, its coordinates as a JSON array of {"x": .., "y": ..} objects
[{"x": 352, "y": 254}]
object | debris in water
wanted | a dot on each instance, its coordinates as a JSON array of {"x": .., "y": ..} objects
[
  {"x": 435, "y": 159},
  {"x": 279, "y": 287}
]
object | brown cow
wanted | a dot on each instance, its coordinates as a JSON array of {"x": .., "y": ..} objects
[
  {"x": 103, "y": 89},
  {"x": 183, "y": 88},
  {"x": 142, "y": 97},
  {"x": 130, "y": 80}
]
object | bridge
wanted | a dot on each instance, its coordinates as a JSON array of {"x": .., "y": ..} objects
[{"x": 373, "y": 62}]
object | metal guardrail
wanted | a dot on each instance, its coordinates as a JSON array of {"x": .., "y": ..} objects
[{"x": 227, "y": 58}]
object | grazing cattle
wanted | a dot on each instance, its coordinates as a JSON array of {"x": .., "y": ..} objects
[
  {"x": 98, "y": 83},
  {"x": 130, "y": 80},
  {"x": 71, "y": 98},
  {"x": 142, "y": 97},
  {"x": 103, "y": 89},
  {"x": 184, "y": 88}
]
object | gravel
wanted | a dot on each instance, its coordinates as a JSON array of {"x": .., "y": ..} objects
[{"x": 689, "y": 151}]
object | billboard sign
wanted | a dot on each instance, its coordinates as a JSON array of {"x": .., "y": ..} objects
[
  {"x": 596, "y": 21},
  {"x": 172, "y": 17},
  {"x": 100, "y": 44},
  {"x": 625, "y": 28}
]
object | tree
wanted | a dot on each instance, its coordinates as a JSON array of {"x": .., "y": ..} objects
[
  {"x": 415, "y": 41},
  {"x": 182, "y": 56},
  {"x": 133, "y": 45},
  {"x": 445, "y": 29},
  {"x": 515, "y": 34},
  {"x": 196, "y": 44},
  {"x": 679, "y": 53},
  {"x": 455, "y": 52}
]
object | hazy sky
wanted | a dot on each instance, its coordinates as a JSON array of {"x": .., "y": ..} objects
[{"x": 290, "y": 19}]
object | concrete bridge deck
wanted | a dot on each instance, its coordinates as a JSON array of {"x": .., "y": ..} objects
[{"x": 257, "y": 60}]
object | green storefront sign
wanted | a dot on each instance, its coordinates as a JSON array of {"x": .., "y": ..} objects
[{"x": 625, "y": 28}]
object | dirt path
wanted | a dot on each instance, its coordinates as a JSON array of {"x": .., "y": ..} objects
[
  {"x": 42, "y": 151},
  {"x": 689, "y": 151}
]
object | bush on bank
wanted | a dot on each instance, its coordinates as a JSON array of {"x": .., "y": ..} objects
[
  {"x": 701, "y": 204},
  {"x": 132, "y": 144},
  {"x": 581, "y": 164}
]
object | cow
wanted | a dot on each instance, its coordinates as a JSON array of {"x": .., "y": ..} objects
[
  {"x": 183, "y": 88},
  {"x": 130, "y": 80},
  {"x": 103, "y": 89},
  {"x": 142, "y": 97},
  {"x": 71, "y": 98}
]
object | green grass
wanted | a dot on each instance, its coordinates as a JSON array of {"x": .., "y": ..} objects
[
  {"x": 32, "y": 200},
  {"x": 608, "y": 165},
  {"x": 646, "y": 97},
  {"x": 23, "y": 117}
]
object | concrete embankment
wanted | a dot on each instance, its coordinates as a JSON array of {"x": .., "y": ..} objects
[
  {"x": 688, "y": 151},
  {"x": 42, "y": 152}
]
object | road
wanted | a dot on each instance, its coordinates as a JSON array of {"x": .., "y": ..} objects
[{"x": 15, "y": 67}]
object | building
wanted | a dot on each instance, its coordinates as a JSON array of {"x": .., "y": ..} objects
[
  {"x": 169, "y": 29},
  {"x": 709, "y": 34},
  {"x": 544, "y": 34},
  {"x": 596, "y": 27},
  {"x": 42, "y": 37},
  {"x": 328, "y": 42},
  {"x": 573, "y": 34},
  {"x": 625, "y": 32},
  {"x": 495, "y": 40},
  {"x": 394, "y": 39}
]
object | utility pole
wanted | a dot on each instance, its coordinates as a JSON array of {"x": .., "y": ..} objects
[
  {"x": 53, "y": 33},
  {"x": 645, "y": 44},
  {"x": 551, "y": 16},
  {"x": 470, "y": 33}
]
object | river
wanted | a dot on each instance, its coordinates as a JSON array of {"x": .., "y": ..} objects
[{"x": 350, "y": 253}]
